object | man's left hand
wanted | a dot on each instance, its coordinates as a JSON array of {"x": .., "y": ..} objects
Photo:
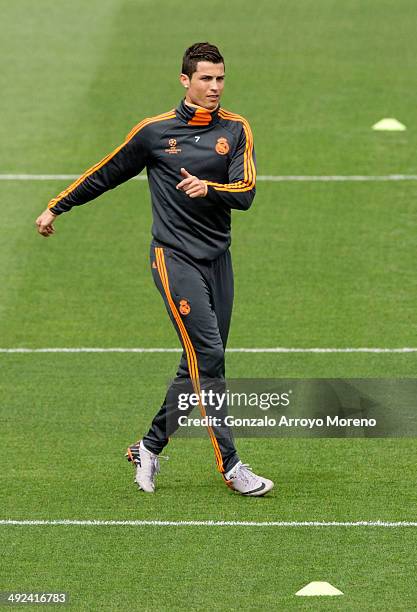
[{"x": 192, "y": 185}]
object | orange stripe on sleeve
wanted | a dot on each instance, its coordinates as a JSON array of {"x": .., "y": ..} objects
[
  {"x": 249, "y": 169},
  {"x": 103, "y": 162}
]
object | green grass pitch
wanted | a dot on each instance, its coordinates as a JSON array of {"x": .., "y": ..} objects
[{"x": 317, "y": 265}]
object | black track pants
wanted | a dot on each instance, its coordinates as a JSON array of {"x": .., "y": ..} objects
[{"x": 199, "y": 298}]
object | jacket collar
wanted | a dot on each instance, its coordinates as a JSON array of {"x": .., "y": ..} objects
[{"x": 196, "y": 115}]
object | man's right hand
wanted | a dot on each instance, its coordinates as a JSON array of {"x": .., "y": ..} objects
[{"x": 44, "y": 223}]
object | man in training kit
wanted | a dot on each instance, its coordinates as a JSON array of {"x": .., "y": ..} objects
[{"x": 200, "y": 164}]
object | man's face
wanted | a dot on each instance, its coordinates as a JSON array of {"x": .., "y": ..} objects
[{"x": 205, "y": 86}]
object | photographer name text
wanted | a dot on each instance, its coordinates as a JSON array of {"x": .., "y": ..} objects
[{"x": 266, "y": 421}]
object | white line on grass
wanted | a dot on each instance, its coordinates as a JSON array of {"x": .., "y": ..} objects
[
  {"x": 278, "y": 349},
  {"x": 138, "y": 523},
  {"x": 267, "y": 178},
  {"x": 337, "y": 178}
]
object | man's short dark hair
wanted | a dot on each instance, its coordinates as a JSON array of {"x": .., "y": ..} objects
[{"x": 200, "y": 52}]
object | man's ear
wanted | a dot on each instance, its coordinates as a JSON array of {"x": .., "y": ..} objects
[{"x": 185, "y": 80}]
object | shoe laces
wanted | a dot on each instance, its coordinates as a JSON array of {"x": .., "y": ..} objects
[
  {"x": 245, "y": 473},
  {"x": 155, "y": 465}
]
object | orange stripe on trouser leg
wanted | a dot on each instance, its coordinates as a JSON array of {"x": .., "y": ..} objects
[
  {"x": 164, "y": 280},
  {"x": 191, "y": 356},
  {"x": 189, "y": 349}
]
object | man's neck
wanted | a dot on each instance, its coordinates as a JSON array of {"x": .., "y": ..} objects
[{"x": 197, "y": 106}]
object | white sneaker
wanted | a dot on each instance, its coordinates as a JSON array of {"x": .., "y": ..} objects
[
  {"x": 241, "y": 479},
  {"x": 147, "y": 466}
]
